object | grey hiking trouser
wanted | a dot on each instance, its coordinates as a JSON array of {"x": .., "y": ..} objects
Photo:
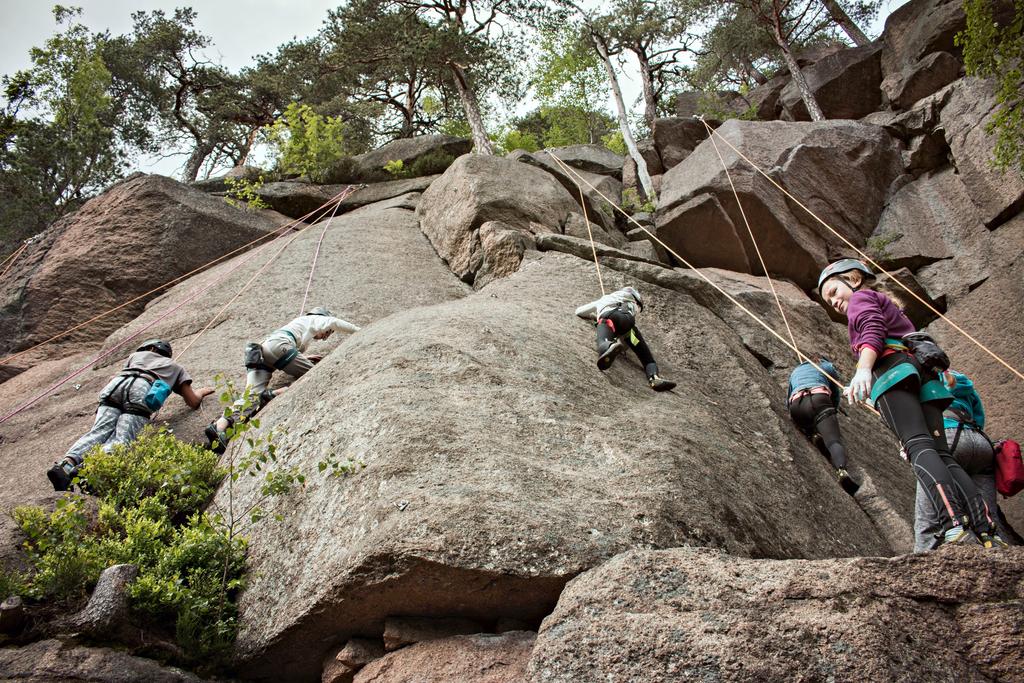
[
  {"x": 113, "y": 426},
  {"x": 971, "y": 447},
  {"x": 274, "y": 347}
]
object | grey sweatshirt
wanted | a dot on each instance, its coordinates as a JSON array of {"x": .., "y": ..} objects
[{"x": 595, "y": 309}]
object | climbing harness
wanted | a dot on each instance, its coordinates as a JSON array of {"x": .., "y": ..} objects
[
  {"x": 174, "y": 309},
  {"x": 279, "y": 232},
  {"x": 869, "y": 260}
]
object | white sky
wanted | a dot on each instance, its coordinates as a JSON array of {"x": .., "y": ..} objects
[{"x": 240, "y": 29}]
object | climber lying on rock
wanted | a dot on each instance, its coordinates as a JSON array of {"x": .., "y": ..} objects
[
  {"x": 127, "y": 403},
  {"x": 283, "y": 350},
  {"x": 813, "y": 404},
  {"x": 615, "y": 314}
]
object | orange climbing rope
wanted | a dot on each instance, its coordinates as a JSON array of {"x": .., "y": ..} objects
[
  {"x": 273, "y": 234},
  {"x": 586, "y": 220},
  {"x": 870, "y": 260},
  {"x": 753, "y": 240},
  {"x": 9, "y": 261}
]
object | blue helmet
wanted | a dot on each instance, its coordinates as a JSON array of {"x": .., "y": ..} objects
[{"x": 842, "y": 266}]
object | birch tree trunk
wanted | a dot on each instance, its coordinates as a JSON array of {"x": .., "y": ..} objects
[
  {"x": 844, "y": 21},
  {"x": 620, "y": 106},
  {"x": 481, "y": 143}
]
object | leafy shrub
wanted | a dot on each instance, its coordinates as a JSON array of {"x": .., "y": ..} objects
[
  {"x": 396, "y": 167},
  {"x": 632, "y": 202},
  {"x": 344, "y": 170},
  {"x": 516, "y": 139},
  {"x": 151, "y": 493},
  {"x": 307, "y": 143},
  {"x": 242, "y": 192},
  {"x": 615, "y": 142}
]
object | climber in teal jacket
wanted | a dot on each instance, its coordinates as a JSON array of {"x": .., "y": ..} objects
[
  {"x": 813, "y": 402},
  {"x": 964, "y": 422}
]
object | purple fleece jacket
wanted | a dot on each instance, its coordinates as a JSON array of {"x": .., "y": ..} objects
[{"x": 872, "y": 316}]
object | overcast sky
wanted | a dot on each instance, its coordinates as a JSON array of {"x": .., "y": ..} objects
[{"x": 240, "y": 29}]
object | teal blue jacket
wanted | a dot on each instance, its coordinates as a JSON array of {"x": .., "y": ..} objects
[{"x": 965, "y": 398}]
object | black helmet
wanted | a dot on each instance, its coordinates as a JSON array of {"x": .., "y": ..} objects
[
  {"x": 842, "y": 266},
  {"x": 157, "y": 346},
  {"x": 319, "y": 310}
]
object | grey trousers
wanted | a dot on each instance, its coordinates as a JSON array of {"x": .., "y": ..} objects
[
  {"x": 112, "y": 426},
  {"x": 274, "y": 347},
  {"x": 927, "y": 524}
]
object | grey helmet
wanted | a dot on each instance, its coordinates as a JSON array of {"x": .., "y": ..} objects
[
  {"x": 320, "y": 310},
  {"x": 636, "y": 296},
  {"x": 157, "y": 346},
  {"x": 842, "y": 266}
]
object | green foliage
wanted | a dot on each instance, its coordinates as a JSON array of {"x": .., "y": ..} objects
[
  {"x": 431, "y": 163},
  {"x": 514, "y": 139},
  {"x": 569, "y": 71},
  {"x": 878, "y": 244},
  {"x": 615, "y": 142},
  {"x": 11, "y": 584},
  {"x": 994, "y": 51},
  {"x": 396, "y": 167},
  {"x": 307, "y": 143},
  {"x": 151, "y": 493},
  {"x": 244, "y": 192},
  {"x": 632, "y": 202}
]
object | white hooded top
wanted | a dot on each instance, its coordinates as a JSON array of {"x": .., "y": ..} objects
[
  {"x": 305, "y": 327},
  {"x": 596, "y": 309}
]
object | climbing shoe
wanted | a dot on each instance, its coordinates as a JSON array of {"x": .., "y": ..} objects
[
  {"x": 993, "y": 540},
  {"x": 959, "y": 535},
  {"x": 847, "y": 482},
  {"x": 266, "y": 396},
  {"x": 218, "y": 440},
  {"x": 61, "y": 474},
  {"x": 659, "y": 384},
  {"x": 605, "y": 360}
]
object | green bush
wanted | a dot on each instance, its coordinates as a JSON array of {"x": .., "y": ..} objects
[
  {"x": 307, "y": 143},
  {"x": 245, "y": 193},
  {"x": 151, "y": 493},
  {"x": 430, "y": 163}
]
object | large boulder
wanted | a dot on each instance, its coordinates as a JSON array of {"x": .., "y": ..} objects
[
  {"x": 840, "y": 170},
  {"x": 991, "y": 312},
  {"x": 845, "y": 84},
  {"x": 481, "y": 658},
  {"x": 676, "y": 138},
  {"x": 920, "y": 79},
  {"x": 299, "y": 199},
  {"x": 480, "y": 189},
  {"x": 534, "y": 434},
  {"x": 591, "y": 158},
  {"x": 373, "y": 262},
  {"x": 691, "y": 614},
  {"x": 141, "y": 233},
  {"x": 964, "y": 117},
  {"x": 765, "y": 99},
  {"x": 931, "y": 220},
  {"x": 409, "y": 150},
  {"x": 593, "y": 185},
  {"x": 47, "y": 661}
]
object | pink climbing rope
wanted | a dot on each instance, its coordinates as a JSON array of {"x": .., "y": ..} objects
[{"x": 316, "y": 253}]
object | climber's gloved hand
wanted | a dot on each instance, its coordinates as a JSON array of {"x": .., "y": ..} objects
[{"x": 860, "y": 387}]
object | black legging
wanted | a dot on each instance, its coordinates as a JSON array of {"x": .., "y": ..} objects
[
  {"x": 816, "y": 414},
  {"x": 619, "y": 324},
  {"x": 919, "y": 427}
]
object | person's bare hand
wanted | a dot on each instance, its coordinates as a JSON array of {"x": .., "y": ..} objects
[{"x": 315, "y": 358}]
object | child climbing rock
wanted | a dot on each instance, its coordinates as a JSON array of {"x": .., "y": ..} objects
[
  {"x": 127, "y": 403},
  {"x": 813, "y": 403},
  {"x": 897, "y": 371},
  {"x": 615, "y": 314},
  {"x": 282, "y": 350}
]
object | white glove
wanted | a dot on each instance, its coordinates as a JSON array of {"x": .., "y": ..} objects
[{"x": 860, "y": 387}]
